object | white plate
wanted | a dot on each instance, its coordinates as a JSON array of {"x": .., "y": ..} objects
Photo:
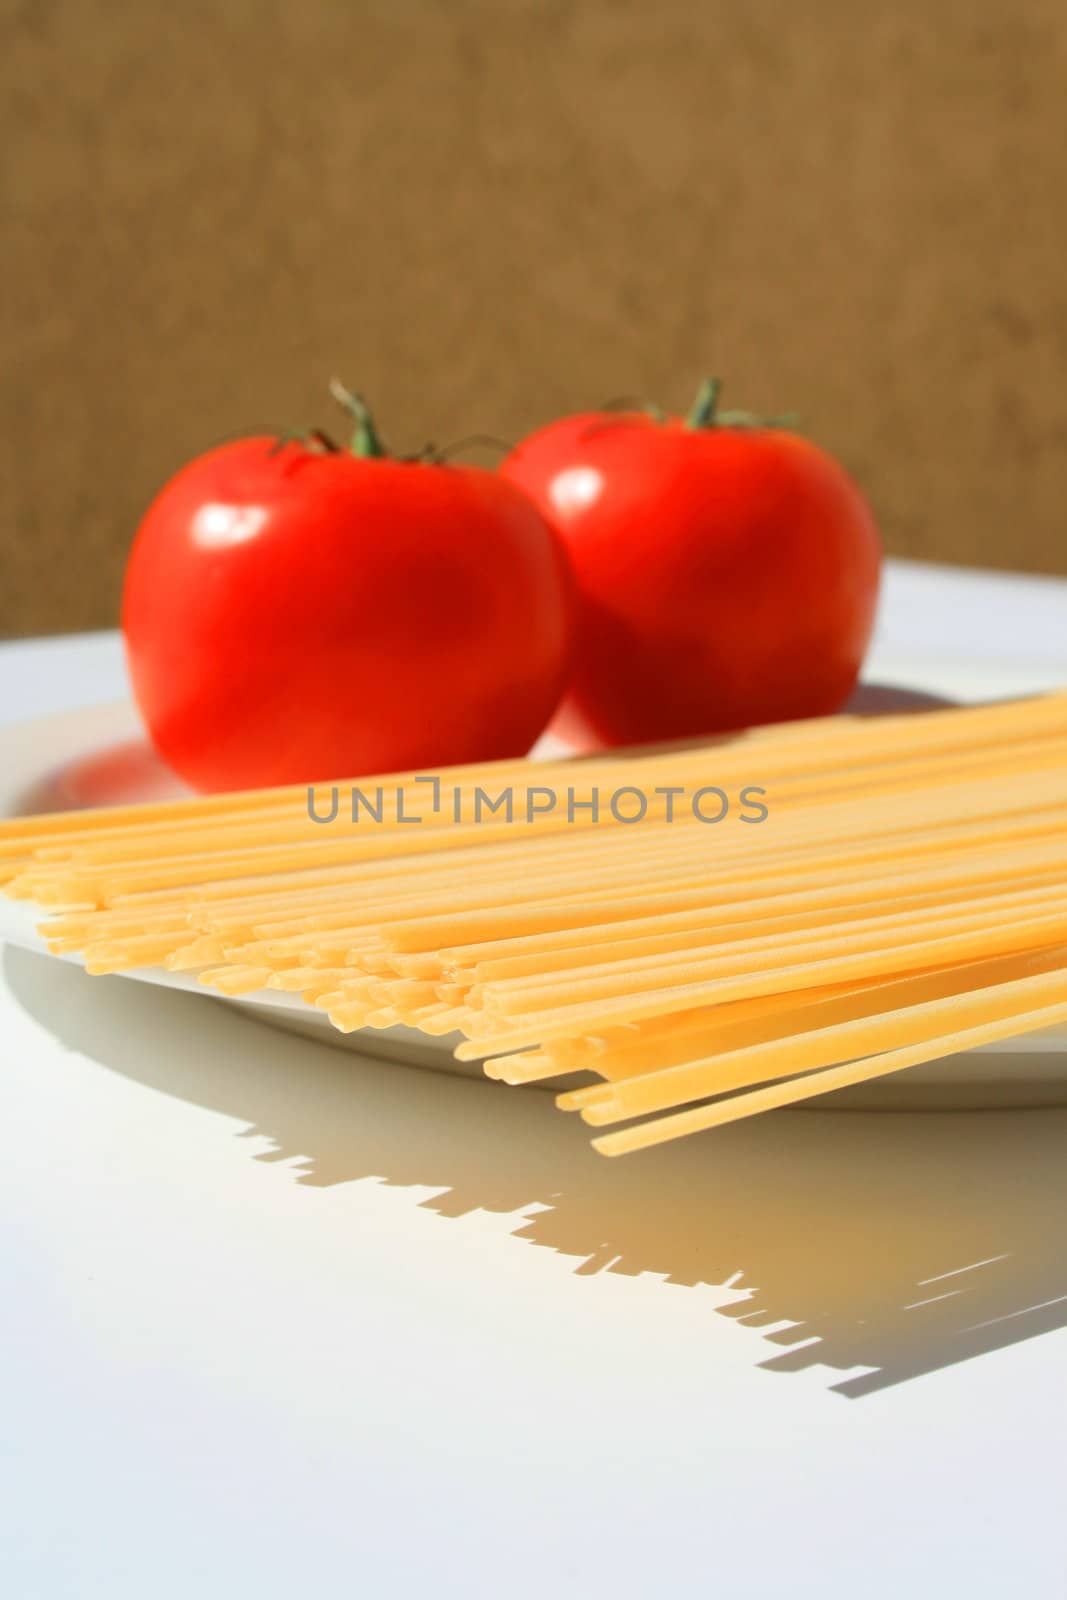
[{"x": 99, "y": 756}]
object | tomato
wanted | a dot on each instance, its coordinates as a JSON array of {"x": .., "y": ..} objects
[
  {"x": 296, "y": 614},
  {"x": 728, "y": 572}
]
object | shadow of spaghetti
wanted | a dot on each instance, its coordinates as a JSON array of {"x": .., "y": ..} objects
[{"x": 895, "y": 1242}]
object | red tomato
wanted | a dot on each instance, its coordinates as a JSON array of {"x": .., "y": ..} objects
[
  {"x": 728, "y": 573},
  {"x": 293, "y": 615}
]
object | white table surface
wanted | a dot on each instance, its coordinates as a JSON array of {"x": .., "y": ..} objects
[{"x": 279, "y": 1321}]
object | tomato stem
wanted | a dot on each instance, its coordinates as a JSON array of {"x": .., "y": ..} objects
[
  {"x": 706, "y": 413},
  {"x": 630, "y": 402},
  {"x": 366, "y": 441},
  {"x": 306, "y": 437},
  {"x": 705, "y": 405},
  {"x": 488, "y": 441}
]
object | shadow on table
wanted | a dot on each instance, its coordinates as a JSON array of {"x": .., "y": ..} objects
[{"x": 899, "y": 1242}]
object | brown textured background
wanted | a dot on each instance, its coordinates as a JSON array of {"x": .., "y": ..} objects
[{"x": 484, "y": 212}]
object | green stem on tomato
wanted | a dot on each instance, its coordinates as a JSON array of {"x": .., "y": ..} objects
[
  {"x": 702, "y": 414},
  {"x": 629, "y": 402},
  {"x": 366, "y": 441},
  {"x": 705, "y": 412}
]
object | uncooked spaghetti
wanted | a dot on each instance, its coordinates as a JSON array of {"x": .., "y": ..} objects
[{"x": 902, "y": 898}]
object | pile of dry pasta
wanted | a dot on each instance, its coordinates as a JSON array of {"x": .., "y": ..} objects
[{"x": 902, "y": 899}]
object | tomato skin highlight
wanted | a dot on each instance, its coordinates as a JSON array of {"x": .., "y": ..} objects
[
  {"x": 728, "y": 576},
  {"x": 293, "y": 616}
]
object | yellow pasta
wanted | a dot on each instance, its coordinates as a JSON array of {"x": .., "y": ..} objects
[{"x": 902, "y": 896}]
